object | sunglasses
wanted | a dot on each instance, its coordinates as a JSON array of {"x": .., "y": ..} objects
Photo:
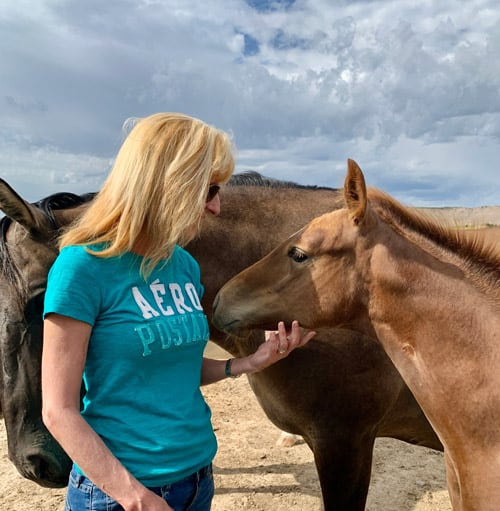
[{"x": 213, "y": 190}]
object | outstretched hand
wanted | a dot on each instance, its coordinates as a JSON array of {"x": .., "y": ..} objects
[{"x": 279, "y": 344}]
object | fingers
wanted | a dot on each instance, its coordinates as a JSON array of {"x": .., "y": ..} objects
[
  {"x": 282, "y": 338},
  {"x": 278, "y": 340},
  {"x": 307, "y": 338},
  {"x": 288, "y": 341}
]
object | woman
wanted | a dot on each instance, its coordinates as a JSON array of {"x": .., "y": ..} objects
[{"x": 122, "y": 311}]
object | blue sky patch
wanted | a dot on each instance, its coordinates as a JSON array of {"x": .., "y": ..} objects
[
  {"x": 251, "y": 46},
  {"x": 270, "y": 5}
]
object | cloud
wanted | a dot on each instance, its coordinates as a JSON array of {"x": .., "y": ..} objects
[{"x": 302, "y": 85}]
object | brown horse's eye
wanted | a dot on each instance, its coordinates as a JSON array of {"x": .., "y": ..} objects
[{"x": 297, "y": 255}]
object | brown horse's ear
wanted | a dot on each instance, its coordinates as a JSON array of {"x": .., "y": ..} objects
[
  {"x": 355, "y": 192},
  {"x": 16, "y": 208}
]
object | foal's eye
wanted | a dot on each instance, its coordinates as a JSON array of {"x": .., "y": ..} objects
[{"x": 297, "y": 255}]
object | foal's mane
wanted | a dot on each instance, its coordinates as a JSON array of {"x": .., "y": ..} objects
[{"x": 475, "y": 256}]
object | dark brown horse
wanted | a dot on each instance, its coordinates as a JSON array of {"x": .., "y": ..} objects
[
  {"x": 429, "y": 293},
  {"x": 27, "y": 250},
  {"x": 339, "y": 392}
]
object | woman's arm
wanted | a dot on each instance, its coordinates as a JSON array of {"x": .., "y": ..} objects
[
  {"x": 278, "y": 345},
  {"x": 63, "y": 359}
]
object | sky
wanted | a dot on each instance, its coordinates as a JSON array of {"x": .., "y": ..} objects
[{"x": 408, "y": 89}]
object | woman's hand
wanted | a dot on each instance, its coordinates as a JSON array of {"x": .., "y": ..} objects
[
  {"x": 149, "y": 502},
  {"x": 279, "y": 344}
]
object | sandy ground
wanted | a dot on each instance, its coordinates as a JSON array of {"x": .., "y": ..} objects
[{"x": 252, "y": 472}]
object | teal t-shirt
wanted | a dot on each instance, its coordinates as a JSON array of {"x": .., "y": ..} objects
[{"x": 143, "y": 367}]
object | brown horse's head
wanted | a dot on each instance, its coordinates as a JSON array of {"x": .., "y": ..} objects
[
  {"x": 291, "y": 281},
  {"x": 27, "y": 250}
]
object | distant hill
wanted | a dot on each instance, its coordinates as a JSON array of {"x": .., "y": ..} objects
[{"x": 464, "y": 217}]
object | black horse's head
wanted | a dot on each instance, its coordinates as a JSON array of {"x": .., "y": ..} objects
[{"x": 27, "y": 249}]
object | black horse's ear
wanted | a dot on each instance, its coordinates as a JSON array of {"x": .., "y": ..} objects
[
  {"x": 355, "y": 192},
  {"x": 27, "y": 215}
]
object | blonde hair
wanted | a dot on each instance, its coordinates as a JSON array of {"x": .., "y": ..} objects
[{"x": 157, "y": 189}]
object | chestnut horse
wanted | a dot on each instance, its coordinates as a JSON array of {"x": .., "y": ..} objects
[
  {"x": 427, "y": 292},
  {"x": 339, "y": 392}
]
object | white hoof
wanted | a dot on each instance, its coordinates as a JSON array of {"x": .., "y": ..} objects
[{"x": 288, "y": 439}]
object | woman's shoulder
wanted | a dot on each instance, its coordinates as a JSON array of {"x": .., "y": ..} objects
[
  {"x": 75, "y": 252},
  {"x": 79, "y": 255}
]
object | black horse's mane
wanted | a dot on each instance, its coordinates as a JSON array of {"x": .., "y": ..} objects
[
  {"x": 254, "y": 178},
  {"x": 54, "y": 202},
  {"x": 62, "y": 200}
]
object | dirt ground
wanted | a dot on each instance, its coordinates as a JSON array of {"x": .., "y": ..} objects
[{"x": 253, "y": 473}]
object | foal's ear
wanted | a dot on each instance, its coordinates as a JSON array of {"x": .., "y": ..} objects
[
  {"x": 355, "y": 192},
  {"x": 15, "y": 207}
]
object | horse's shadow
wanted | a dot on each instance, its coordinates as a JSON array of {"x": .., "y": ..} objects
[{"x": 304, "y": 474}]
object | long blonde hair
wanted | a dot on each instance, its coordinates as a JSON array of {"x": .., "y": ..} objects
[{"x": 156, "y": 190}]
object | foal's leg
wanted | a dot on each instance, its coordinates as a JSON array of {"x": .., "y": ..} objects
[
  {"x": 344, "y": 461},
  {"x": 452, "y": 483}
]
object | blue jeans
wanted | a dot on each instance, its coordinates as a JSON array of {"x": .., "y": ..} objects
[{"x": 193, "y": 493}]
